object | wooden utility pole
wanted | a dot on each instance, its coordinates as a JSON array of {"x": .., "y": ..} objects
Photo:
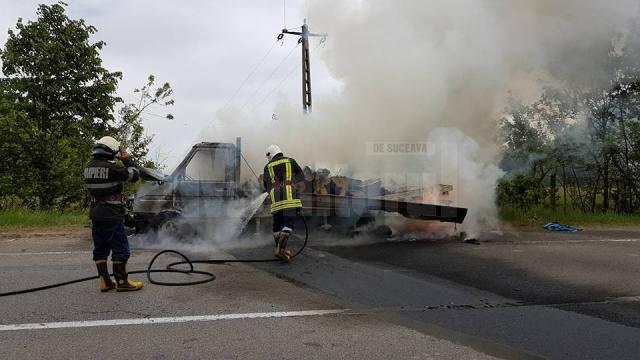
[{"x": 306, "y": 68}]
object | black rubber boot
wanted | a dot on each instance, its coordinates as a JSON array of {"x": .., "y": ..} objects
[
  {"x": 123, "y": 283},
  {"x": 105, "y": 279}
]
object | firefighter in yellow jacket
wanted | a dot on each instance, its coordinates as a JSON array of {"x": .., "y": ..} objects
[{"x": 280, "y": 175}]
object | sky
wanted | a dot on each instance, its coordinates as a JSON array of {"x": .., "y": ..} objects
[{"x": 204, "y": 49}]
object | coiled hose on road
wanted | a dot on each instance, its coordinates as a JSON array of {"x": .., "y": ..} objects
[{"x": 171, "y": 269}]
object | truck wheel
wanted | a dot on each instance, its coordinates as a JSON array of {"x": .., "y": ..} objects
[
  {"x": 169, "y": 228},
  {"x": 167, "y": 224},
  {"x": 174, "y": 227}
]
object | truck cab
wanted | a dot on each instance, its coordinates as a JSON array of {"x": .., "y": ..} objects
[{"x": 207, "y": 177}]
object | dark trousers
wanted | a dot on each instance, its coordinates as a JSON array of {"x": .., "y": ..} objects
[
  {"x": 284, "y": 218},
  {"x": 109, "y": 236}
]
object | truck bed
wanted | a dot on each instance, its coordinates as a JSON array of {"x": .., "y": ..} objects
[{"x": 336, "y": 204}]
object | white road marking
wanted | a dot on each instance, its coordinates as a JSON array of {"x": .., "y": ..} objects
[
  {"x": 165, "y": 320},
  {"x": 45, "y": 253},
  {"x": 603, "y": 240},
  {"x": 566, "y": 241}
]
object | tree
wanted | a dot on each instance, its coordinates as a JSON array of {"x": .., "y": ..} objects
[
  {"x": 586, "y": 130},
  {"x": 130, "y": 130},
  {"x": 9, "y": 117},
  {"x": 521, "y": 137},
  {"x": 58, "y": 98}
]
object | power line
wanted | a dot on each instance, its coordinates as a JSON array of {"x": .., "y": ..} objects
[
  {"x": 281, "y": 82},
  {"x": 269, "y": 77},
  {"x": 250, "y": 168},
  {"x": 251, "y": 73},
  {"x": 293, "y": 69}
]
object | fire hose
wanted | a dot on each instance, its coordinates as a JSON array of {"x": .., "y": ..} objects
[{"x": 171, "y": 268}]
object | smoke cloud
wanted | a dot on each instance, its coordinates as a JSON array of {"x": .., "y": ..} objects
[
  {"x": 206, "y": 225},
  {"x": 437, "y": 72}
]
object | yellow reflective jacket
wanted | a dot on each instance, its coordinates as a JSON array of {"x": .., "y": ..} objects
[{"x": 280, "y": 176}]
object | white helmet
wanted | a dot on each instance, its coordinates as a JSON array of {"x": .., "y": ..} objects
[
  {"x": 106, "y": 146},
  {"x": 273, "y": 150},
  {"x": 109, "y": 143}
]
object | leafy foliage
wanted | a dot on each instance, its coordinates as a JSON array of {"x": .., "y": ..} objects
[
  {"x": 522, "y": 191},
  {"x": 61, "y": 97},
  {"x": 56, "y": 98},
  {"x": 586, "y": 135},
  {"x": 130, "y": 130}
]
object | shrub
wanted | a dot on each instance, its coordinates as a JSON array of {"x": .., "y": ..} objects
[{"x": 523, "y": 191}]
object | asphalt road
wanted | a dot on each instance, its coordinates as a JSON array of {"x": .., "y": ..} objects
[
  {"x": 247, "y": 313},
  {"x": 559, "y": 296},
  {"x": 526, "y": 294}
]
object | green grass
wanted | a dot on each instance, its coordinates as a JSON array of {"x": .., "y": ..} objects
[
  {"x": 23, "y": 218},
  {"x": 541, "y": 215}
]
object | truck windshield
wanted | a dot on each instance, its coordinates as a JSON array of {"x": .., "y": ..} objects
[{"x": 208, "y": 165}]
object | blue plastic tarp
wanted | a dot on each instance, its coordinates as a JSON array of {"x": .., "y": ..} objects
[{"x": 554, "y": 226}]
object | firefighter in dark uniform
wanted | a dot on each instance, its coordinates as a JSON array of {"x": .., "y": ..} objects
[
  {"x": 280, "y": 175},
  {"x": 105, "y": 179}
]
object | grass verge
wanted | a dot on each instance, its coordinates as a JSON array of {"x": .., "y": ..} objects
[
  {"x": 23, "y": 218},
  {"x": 542, "y": 215}
]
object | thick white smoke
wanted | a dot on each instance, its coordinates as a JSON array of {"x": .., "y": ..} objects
[
  {"x": 432, "y": 71},
  {"x": 206, "y": 225}
]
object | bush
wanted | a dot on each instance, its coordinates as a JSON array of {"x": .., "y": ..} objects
[{"x": 521, "y": 191}]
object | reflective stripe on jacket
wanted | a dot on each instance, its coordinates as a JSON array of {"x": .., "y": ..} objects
[
  {"x": 105, "y": 179},
  {"x": 279, "y": 176}
]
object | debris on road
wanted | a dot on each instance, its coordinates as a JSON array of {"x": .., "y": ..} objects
[{"x": 554, "y": 226}]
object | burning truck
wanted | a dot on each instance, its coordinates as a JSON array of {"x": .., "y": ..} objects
[{"x": 208, "y": 179}]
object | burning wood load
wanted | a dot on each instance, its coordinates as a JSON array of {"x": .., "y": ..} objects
[{"x": 320, "y": 182}]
